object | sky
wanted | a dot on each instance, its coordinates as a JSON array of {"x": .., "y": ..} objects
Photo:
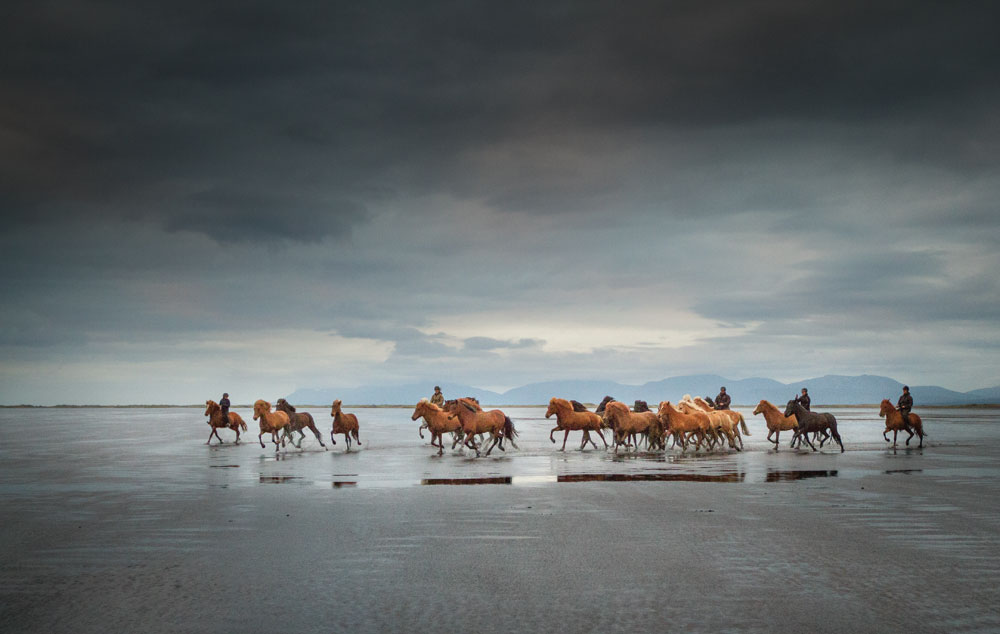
[{"x": 256, "y": 197}]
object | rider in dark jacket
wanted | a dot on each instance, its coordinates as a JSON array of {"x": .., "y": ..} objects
[
  {"x": 905, "y": 404},
  {"x": 224, "y": 404},
  {"x": 804, "y": 399},
  {"x": 722, "y": 401}
]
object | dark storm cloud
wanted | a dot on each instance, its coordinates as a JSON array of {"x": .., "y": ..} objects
[{"x": 160, "y": 111}]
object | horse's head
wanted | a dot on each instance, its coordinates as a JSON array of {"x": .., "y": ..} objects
[
  {"x": 640, "y": 406},
  {"x": 335, "y": 408},
  {"x": 419, "y": 410},
  {"x": 604, "y": 403},
  {"x": 885, "y": 408},
  {"x": 211, "y": 407},
  {"x": 261, "y": 407},
  {"x": 760, "y": 408},
  {"x": 616, "y": 409},
  {"x": 284, "y": 406},
  {"x": 553, "y": 407},
  {"x": 791, "y": 407}
]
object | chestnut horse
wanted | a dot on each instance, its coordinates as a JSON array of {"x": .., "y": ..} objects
[
  {"x": 438, "y": 422},
  {"x": 215, "y": 421},
  {"x": 893, "y": 421},
  {"x": 270, "y": 422},
  {"x": 810, "y": 422},
  {"x": 346, "y": 424},
  {"x": 627, "y": 424},
  {"x": 721, "y": 424},
  {"x": 733, "y": 415},
  {"x": 297, "y": 421},
  {"x": 682, "y": 425},
  {"x": 475, "y": 421},
  {"x": 776, "y": 421},
  {"x": 569, "y": 419}
]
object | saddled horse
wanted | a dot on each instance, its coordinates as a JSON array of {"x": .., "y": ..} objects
[
  {"x": 346, "y": 424},
  {"x": 475, "y": 421},
  {"x": 775, "y": 420},
  {"x": 439, "y": 422},
  {"x": 568, "y": 419},
  {"x": 894, "y": 422},
  {"x": 270, "y": 422},
  {"x": 216, "y": 420},
  {"x": 297, "y": 422},
  {"x": 810, "y": 422}
]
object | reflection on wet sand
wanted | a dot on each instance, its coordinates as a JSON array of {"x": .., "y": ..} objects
[
  {"x": 790, "y": 476},
  {"x": 505, "y": 480},
  {"x": 277, "y": 479},
  {"x": 734, "y": 476},
  {"x": 342, "y": 484}
]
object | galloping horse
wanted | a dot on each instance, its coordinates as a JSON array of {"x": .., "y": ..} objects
[
  {"x": 568, "y": 419},
  {"x": 776, "y": 421},
  {"x": 475, "y": 421},
  {"x": 346, "y": 424},
  {"x": 270, "y": 422},
  {"x": 810, "y": 422},
  {"x": 628, "y": 424},
  {"x": 297, "y": 421},
  {"x": 733, "y": 415},
  {"x": 893, "y": 421},
  {"x": 439, "y": 422},
  {"x": 215, "y": 421},
  {"x": 682, "y": 425}
]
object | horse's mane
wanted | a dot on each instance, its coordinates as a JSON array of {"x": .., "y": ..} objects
[
  {"x": 283, "y": 404},
  {"x": 641, "y": 406},
  {"x": 604, "y": 403},
  {"x": 578, "y": 406},
  {"x": 617, "y": 405}
]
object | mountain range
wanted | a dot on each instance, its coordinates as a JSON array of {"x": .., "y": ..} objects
[{"x": 825, "y": 390}]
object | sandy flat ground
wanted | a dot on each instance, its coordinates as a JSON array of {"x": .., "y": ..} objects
[{"x": 121, "y": 520}]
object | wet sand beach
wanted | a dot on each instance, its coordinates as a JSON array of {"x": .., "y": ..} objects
[{"x": 122, "y": 520}]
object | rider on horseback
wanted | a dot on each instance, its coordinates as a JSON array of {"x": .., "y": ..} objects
[
  {"x": 905, "y": 404},
  {"x": 804, "y": 399},
  {"x": 722, "y": 401},
  {"x": 224, "y": 405}
]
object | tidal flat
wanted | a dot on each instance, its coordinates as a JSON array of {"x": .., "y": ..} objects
[{"x": 124, "y": 520}]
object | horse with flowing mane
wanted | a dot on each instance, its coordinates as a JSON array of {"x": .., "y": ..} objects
[
  {"x": 270, "y": 422},
  {"x": 569, "y": 419},
  {"x": 894, "y": 422},
  {"x": 810, "y": 422},
  {"x": 682, "y": 426},
  {"x": 346, "y": 424},
  {"x": 628, "y": 424},
  {"x": 475, "y": 421},
  {"x": 720, "y": 424},
  {"x": 734, "y": 416},
  {"x": 216, "y": 420},
  {"x": 297, "y": 422},
  {"x": 775, "y": 420},
  {"x": 439, "y": 422}
]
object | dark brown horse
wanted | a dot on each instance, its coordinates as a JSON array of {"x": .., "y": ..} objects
[
  {"x": 297, "y": 422},
  {"x": 810, "y": 422},
  {"x": 215, "y": 421}
]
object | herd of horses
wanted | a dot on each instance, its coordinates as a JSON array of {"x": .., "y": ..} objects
[{"x": 690, "y": 423}]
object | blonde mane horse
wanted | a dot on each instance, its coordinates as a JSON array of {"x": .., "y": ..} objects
[
  {"x": 568, "y": 419},
  {"x": 439, "y": 422},
  {"x": 894, "y": 422},
  {"x": 776, "y": 420},
  {"x": 270, "y": 422},
  {"x": 721, "y": 424},
  {"x": 346, "y": 424},
  {"x": 734, "y": 417},
  {"x": 215, "y": 421}
]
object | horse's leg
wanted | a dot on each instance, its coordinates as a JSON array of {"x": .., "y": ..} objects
[
  {"x": 420, "y": 430},
  {"x": 564, "y": 441},
  {"x": 894, "y": 433},
  {"x": 357, "y": 437},
  {"x": 347, "y": 439},
  {"x": 553, "y": 430},
  {"x": 910, "y": 431},
  {"x": 212, "y": 431},
  {"x": 260, "y": 438},
  {"x": 496, "y": 439},
  {"x": 598, "y": 430},
  {"x": 318, "y": 435}
]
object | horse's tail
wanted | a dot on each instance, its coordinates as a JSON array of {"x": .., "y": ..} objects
[
  {"x": 243, "y": 424},
  {"x": 508, "y": 427},
  {"x": 743, "y": 424}
]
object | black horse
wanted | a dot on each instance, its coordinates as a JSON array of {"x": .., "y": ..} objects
[
  {"x": 810, "y": 422},
  {"x": 297, "y": 422}
]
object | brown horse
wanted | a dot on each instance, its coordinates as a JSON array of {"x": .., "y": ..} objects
[
  {"x": 682, "y": 425},
  {"x": 894, "y": 421},
  {"x": 270, "y": 422},
  {"x": 215, "y": 421},
  {"x": 569, "y": 419},
  {"x": 628, "y": 424},
  {"x": 297, "y": 422},
  {"x": 776, "y": 421},
  {"x": 475, "y": 421},
  {"x": 439, "y": 422},
  {"x": 721, "y": 424},
  {"x": 733, "y": 415},
  {"x": 346, "y": 424}
]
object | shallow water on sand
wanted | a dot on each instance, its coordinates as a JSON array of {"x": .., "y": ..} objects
[{"x": 118, "y": 519}]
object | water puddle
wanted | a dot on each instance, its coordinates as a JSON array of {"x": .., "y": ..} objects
[{"x": 791, "y": 476}]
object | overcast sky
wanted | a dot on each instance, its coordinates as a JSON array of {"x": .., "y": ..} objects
[{"x": 258, "y": 197}]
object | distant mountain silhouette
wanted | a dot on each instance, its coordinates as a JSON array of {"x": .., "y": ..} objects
[{"x": 825, "y": 390}]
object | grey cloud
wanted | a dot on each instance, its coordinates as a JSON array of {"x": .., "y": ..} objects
[{"x": 488, "y": 343}]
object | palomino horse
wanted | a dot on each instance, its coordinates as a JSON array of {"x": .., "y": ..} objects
[
  {"x": 776, "y": 421},
  {"x": 721, "y": 425},
  {"x": 893, "y": 421},
  {"x": 733, "y": 415},
  {"x": 234, "y": 422},
  {"x": 475, "y": 421},
  {"x": 810, "y": 422},
  {"x": 628, "y": 424},
  {"x": 568, "y": 419},
  {"x": 346, "y": 424},
  {"x": 298, "y": 421},
  {"x": 270, "y": 422},
  {"x": 682, "y": 426},
  {"x": 438, "y": 422}
]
